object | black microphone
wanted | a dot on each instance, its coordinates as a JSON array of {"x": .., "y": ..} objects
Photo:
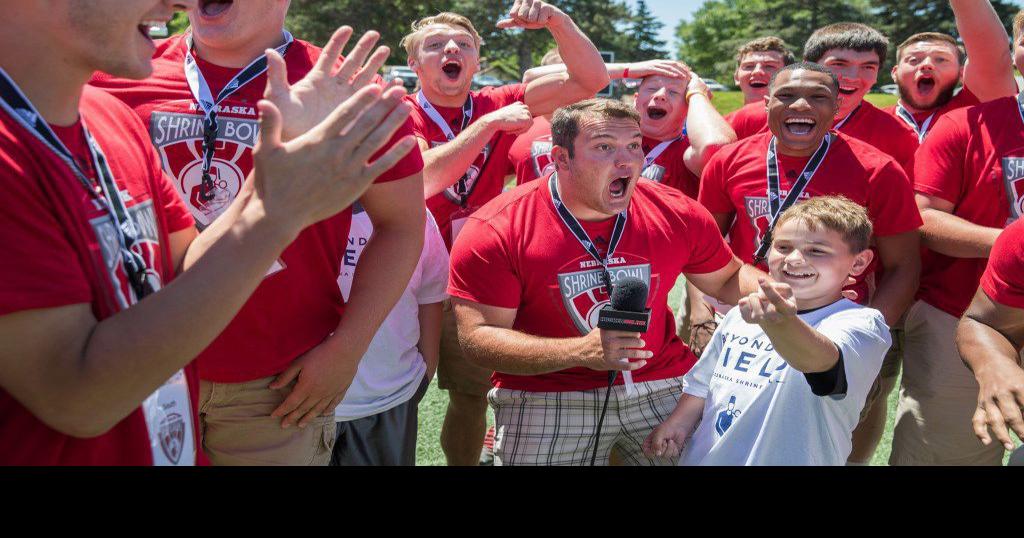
[{"x": 628, "y": 308}]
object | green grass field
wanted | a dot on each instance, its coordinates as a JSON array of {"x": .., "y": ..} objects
[{"x": 432, "y": 408}]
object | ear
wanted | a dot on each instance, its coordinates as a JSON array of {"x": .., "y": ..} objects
[
  {"x": 892, "y": 73},
  {"x": 560, "y": 156},
  {"x": 411, "y": 62},
  {"x": 736, "y": 76},
  {"x": 767, "y": 98},
  {"x": 861, "y": 262}
]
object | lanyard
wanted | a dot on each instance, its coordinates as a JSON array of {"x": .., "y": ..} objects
[
  {"x": 18, "y": 107},
  {"x": 461, "y": 190},
  {"x": 843, "y": 121},
  {"x": 580, "y": 234},
  {"x": 1020, "y": 105},
  {"x": 906, "y": 116},
  {"x": 777, "y": 206},
  {"x": 659, "y": 149},
  {"x": 201, "y": 93}
]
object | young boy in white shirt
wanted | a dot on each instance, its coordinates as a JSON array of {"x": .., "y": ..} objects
[
  {"x": 786, "y": 374},
  {"x": 377, "y": 419}
]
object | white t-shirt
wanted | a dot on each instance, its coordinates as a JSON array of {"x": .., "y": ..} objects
[
  {"x": 392, "y": 368},
  {"x": 759, "y": 411}
]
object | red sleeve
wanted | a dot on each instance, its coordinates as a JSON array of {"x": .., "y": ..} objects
[
  {"x": 906, "y": 148},
  {"x": 938, "y": 164},
  {"x": 410, "y": 165},
  {"x": 1003, "y": 279},
  {"x": 708, "y": 250},
  {"x": 481, "y": 267},
  {"x": 712, "y": 194},
  {"x": 39, "y": 267},
  {"x": 891, "y": 204}
]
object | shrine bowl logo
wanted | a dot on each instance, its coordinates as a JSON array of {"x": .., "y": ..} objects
[
  {"x": 1013, "y": 179},
  {"x": 147, "y": 245},
  {"x": 584, "y": 293},
  {"x": 759, "y": 214},
  {"x": 172, "y": 436},
  {"x": 654, "y": 172},
  {"x": 179, "y": 140},
  {"x": 540, "y": 155},
  {"x": 472, "y": 175}
]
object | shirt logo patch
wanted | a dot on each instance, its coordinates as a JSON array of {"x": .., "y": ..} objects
[
  {"x": 654, "y": 172},
  {"x": 147, "y": 245},
  {"x": 584, "y": 293},
  {"x": 1013, "y": 179},
  {"x": 540, "y": 155},
  {"x": 471, "y": 177}
]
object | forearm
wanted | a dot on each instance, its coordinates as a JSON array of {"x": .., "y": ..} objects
[
  {"x": 381, "y": 276},
  {"x": 132, "y": 353},
  {"x": 445, "y": 164},
  {"x": 804, "y": 348},
  {"x": 706, "y": 130},
  {"x": 429, "y": 343},
  {"x": 742, "y": 283},
  {"x": 220, "y": 226},
  {"x": 951, "y": 235},
  {"x": 896, "y": 290},
  {"x": 513, "y": 352},
  {"x": 687, "y": 413},
  {"x": 989, "y": 70},
  {"x": 982, "y": 348}
]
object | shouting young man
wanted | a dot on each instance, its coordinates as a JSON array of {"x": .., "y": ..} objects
[
  {"x": 756, "y": 62},
  {"x": 289, "y": 355},
  {"x": 930, "y": 65},
  {"x": 534, "y": 266},
  {"x": 465, "y": 138},
  {"x": 96, "y": 367},
  {"x": 968, "y": 178}
]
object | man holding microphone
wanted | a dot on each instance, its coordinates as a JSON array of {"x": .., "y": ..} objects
[{"x": 532, "y": 269}]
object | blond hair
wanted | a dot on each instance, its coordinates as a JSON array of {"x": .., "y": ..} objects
[
  {"x": 835, "y": 213},
  {"x": 766, "y": 44},
  {"x": 412, "y": 40},
  {"x": 1018, "y": 24}
]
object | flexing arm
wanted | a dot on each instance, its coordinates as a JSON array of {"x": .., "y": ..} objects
[
  {"x": 951, "y": 235},
  {"x": 989, "y": 69},
  {"x": 666, "y": 68},
  {"x": 900, "y": 256},
  {"x": 989, "y": 337},
  {"x": 81, "y": 376},
  {"x": 705, "y": 127},
  {"x": 584, "y": 68},
  {"x": 382, "y": 274},
  {"x": 488, "y": 340}
]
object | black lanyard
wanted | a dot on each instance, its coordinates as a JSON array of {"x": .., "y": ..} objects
[
  {"x": 920, "y": 130},
  {"x": 19, "y": 108},
  {"x": 581, "y": 235},
  {"x": 460, "y": 187},
  {"x": 201, "y": 92},
  {"x": 777, "y": 206}
]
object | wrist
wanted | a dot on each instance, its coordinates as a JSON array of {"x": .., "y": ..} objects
[
  {"x": 272, "y": 228},
  {"x": 693, "y": 93},
  {"x": 558, "y": 20}
]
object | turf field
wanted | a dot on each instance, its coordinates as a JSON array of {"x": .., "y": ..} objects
[{"x": 432, "y": 408}]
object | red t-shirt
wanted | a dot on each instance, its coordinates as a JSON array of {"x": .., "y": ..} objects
[
  {"x": 868, "y": 123},
  {"x": 735, "y": 182},
  {"x": 670, "y": 169},
  {"x": 515, "y": 252},
  {"x": 486, "y": 176},
  {"x": 962, "y": 99},
  {"x": 530, "y": 153},
  {"x": 298, "y": 304},
  {"x": 1003, "y": 279},
  {"x": 57, "y": 252},
  {"x": 974, "y": 159}
]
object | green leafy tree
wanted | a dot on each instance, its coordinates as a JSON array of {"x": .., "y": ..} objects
[{"x": 644, "y": 29}]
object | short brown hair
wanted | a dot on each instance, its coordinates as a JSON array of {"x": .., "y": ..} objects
[
  {"x": 931, "y": 36},
  {"x": 845, "y": 35},
  {"x": 413, "y": 38},
  {"x": 565, "y": 124},
  {"x": 835, "y": 213},
  {"x": 1018, "y": 24},
  {"x": 766, "y": 44}
]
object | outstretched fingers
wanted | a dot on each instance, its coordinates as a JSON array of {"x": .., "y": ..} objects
[{"x": 332, "y": 51}]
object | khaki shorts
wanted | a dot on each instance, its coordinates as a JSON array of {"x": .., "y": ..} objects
[
  {"x": 237, "y": 428},
  {"x": 938, "y": 396},
  {"x": 454, "y": 372}
]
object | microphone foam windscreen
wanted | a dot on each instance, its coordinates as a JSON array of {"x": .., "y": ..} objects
[{"x": 629, "y": 294}]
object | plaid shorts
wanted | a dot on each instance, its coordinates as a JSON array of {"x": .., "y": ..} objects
[{"x": 559, "y": 428}]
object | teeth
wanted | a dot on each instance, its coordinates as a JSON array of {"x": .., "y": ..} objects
[
  {"x": 807, "y": 121},
  {"x": 154, "y": 25}
]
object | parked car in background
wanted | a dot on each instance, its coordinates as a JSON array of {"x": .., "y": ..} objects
[
  {"x": 890, "y": 89},
  {"x": 714, "y": 86},
  {"x": 483, "y": 81},
  {"x": 408, "y": 76}
]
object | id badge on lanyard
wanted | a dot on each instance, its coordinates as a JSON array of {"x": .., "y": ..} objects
[{"x": 168, "y": 413}]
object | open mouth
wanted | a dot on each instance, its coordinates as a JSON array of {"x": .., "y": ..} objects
[
  {"x": 797, "y": 274},
  {"x": 847, "y": 90},
  {"x": 656, "y": 113},
  {"x": 800, "y": 126},
  {"x": 150, "y": 28},
  {"x": 925, "y": 85},
  {"x": 617, "y": 189},
  {"x": 212, "y": 8},
  {"x": 758, "y": 85},
  {"x": 452, "y": 70}
]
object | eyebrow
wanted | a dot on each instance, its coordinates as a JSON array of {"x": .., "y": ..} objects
[{"x": 606, "y": 135}]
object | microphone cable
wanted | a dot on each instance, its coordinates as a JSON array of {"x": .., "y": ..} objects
[{"x": 604, "y": 409}]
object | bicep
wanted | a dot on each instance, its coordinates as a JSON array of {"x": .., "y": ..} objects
[
  {"x": 899, "y": 249},
  {"x": 396, "y": 203},
  {"x": 1006, "y": 320},
  {"x": 179, "y": 242},
  {"x": 41, "y": 352},
  {"x": 471, "y": 316},
  {"x": 711, "y": 283}
]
